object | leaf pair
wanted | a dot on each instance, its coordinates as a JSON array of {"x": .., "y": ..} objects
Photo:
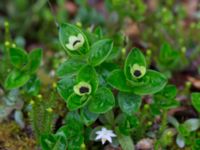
[
  {"x": 169, "y": 59},
  {"x": 24, "y": 65},
  {"x": 165, "y": 99},
  {"x": 97, "y": 53},
  {"x": 184, "y": 129},
  {"x": 148, "y": 81},
  {"x": 100, "y": 100}
]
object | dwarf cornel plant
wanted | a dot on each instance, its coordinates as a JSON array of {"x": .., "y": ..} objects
[{"x": 93, "y": 88}]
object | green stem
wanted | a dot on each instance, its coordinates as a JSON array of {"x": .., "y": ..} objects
[
  {"x": 161, "y": 130},
  {"x": 163, "y": 122}
]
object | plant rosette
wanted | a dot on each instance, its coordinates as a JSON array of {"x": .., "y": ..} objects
[
  {"x": 76, "y": 44},
  {"x": 82, "y": 89},
  {"x": 136, "y": 78},
  {"x": 79, "y": 84},
  {"x": 24, "y": 66}
]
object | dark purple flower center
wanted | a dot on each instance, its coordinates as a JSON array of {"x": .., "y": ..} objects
[{"x": 84, "y": 89}]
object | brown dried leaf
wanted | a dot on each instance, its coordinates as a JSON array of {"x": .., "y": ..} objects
[{"x": 195, "y": 82}]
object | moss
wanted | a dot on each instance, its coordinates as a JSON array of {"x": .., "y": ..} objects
[{"x": 13, "y": 138}]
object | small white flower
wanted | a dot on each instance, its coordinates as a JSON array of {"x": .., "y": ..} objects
[
  {"x": 75, "y": 42},
  {"x": 105, "y": 135}
]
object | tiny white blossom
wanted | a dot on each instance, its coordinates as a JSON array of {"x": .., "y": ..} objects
[
  {"x": 105, "y": 135},
  {"x": 75, "y": 42}
]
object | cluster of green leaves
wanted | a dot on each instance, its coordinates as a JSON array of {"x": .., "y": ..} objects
[
  {"x": 150, "y": 81},
  {"x": 184, "y": 130},
  {"x": 164, "y": 100},
  {"x": 171, "y": 60},
  {"x": 18, "y": 73},
  {"x": 24, "y": 66},
  {"x": 77, "y": 70},
  {"x": 138, "y": 6},
  {"x": 87, "y": 81},
  {"x": 69, "y": 136},
  {"x": 16, "y": 13},
  {"x": 95, "y": 86},
  {"x": 161, "y": 21}
]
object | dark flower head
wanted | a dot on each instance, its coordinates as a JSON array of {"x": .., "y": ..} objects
[{"x": 82, "y": 88}]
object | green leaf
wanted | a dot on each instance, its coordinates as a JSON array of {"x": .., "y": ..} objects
[
  {"x": 47, "y": 141},
  {"x": 104, "y": 71},
  {"x": 18, "y": 57},
  {"x": 50, "y": 141},
  {"x": 126, "y": 142},
  {"x": 127, "y": 123},
  {"x": 73, "y": 116},
  {"x": 196, "y": 101},
  {"x": 192, "y": 124},
  {"x": 32, "y": 87},
  {"x": 100, "y": 51},
  {"x": 118, "y": 81},
  {"x": 65, "y": 32},
  {"x": 173, "y": 121},
  {"x": 151, "y": 83},
  {"x": 16, "y": 79},
  {"x": 135, "y": 57},
  {"x": 72, "y": 132},
  {"x": 109, "y": 117},
  {"x": 183, "y": 130},
  {"x": 165, "y": 99},
  {"x": 62, "y": 131},
  {"x": 35, "y": 58},
  {"x": 114, "y": 54},
  {"x": 69, "y": 67},
  {"x": 75, "y": 102},
  {"x": 65, "y": 87},
  {"x": 196, "y": 144},
  {"x": 170, "y": 91},
  {"x": 168, "y": 57},
  {"x": 87, "y": 116},
  {"x": 167, "y": 139},
  {"x": 129, "y": 103},
  {"x": 76, "y": 142},
  {"x": 89, "y": 75},
  {"x": 180, "y": 141},
  {"x": 99, "y": 32},
  {"x": 102, "y": 101}
]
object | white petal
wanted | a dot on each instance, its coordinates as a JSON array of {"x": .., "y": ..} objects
[
  {"x": 78, "y": 45},
  {"x": 109, "y": 139},
  {"x": 104, "y": 129},
  {"x": 98, "y": 132},
  {"x": 112, "y": 135},
  {"x": 69, "y": 46},
  {"x": 98, "y": 137},
  {"x": 80, "y": 37},
  {"x": 103, "y": 140},
  {"x": 72, "y": 39}
]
